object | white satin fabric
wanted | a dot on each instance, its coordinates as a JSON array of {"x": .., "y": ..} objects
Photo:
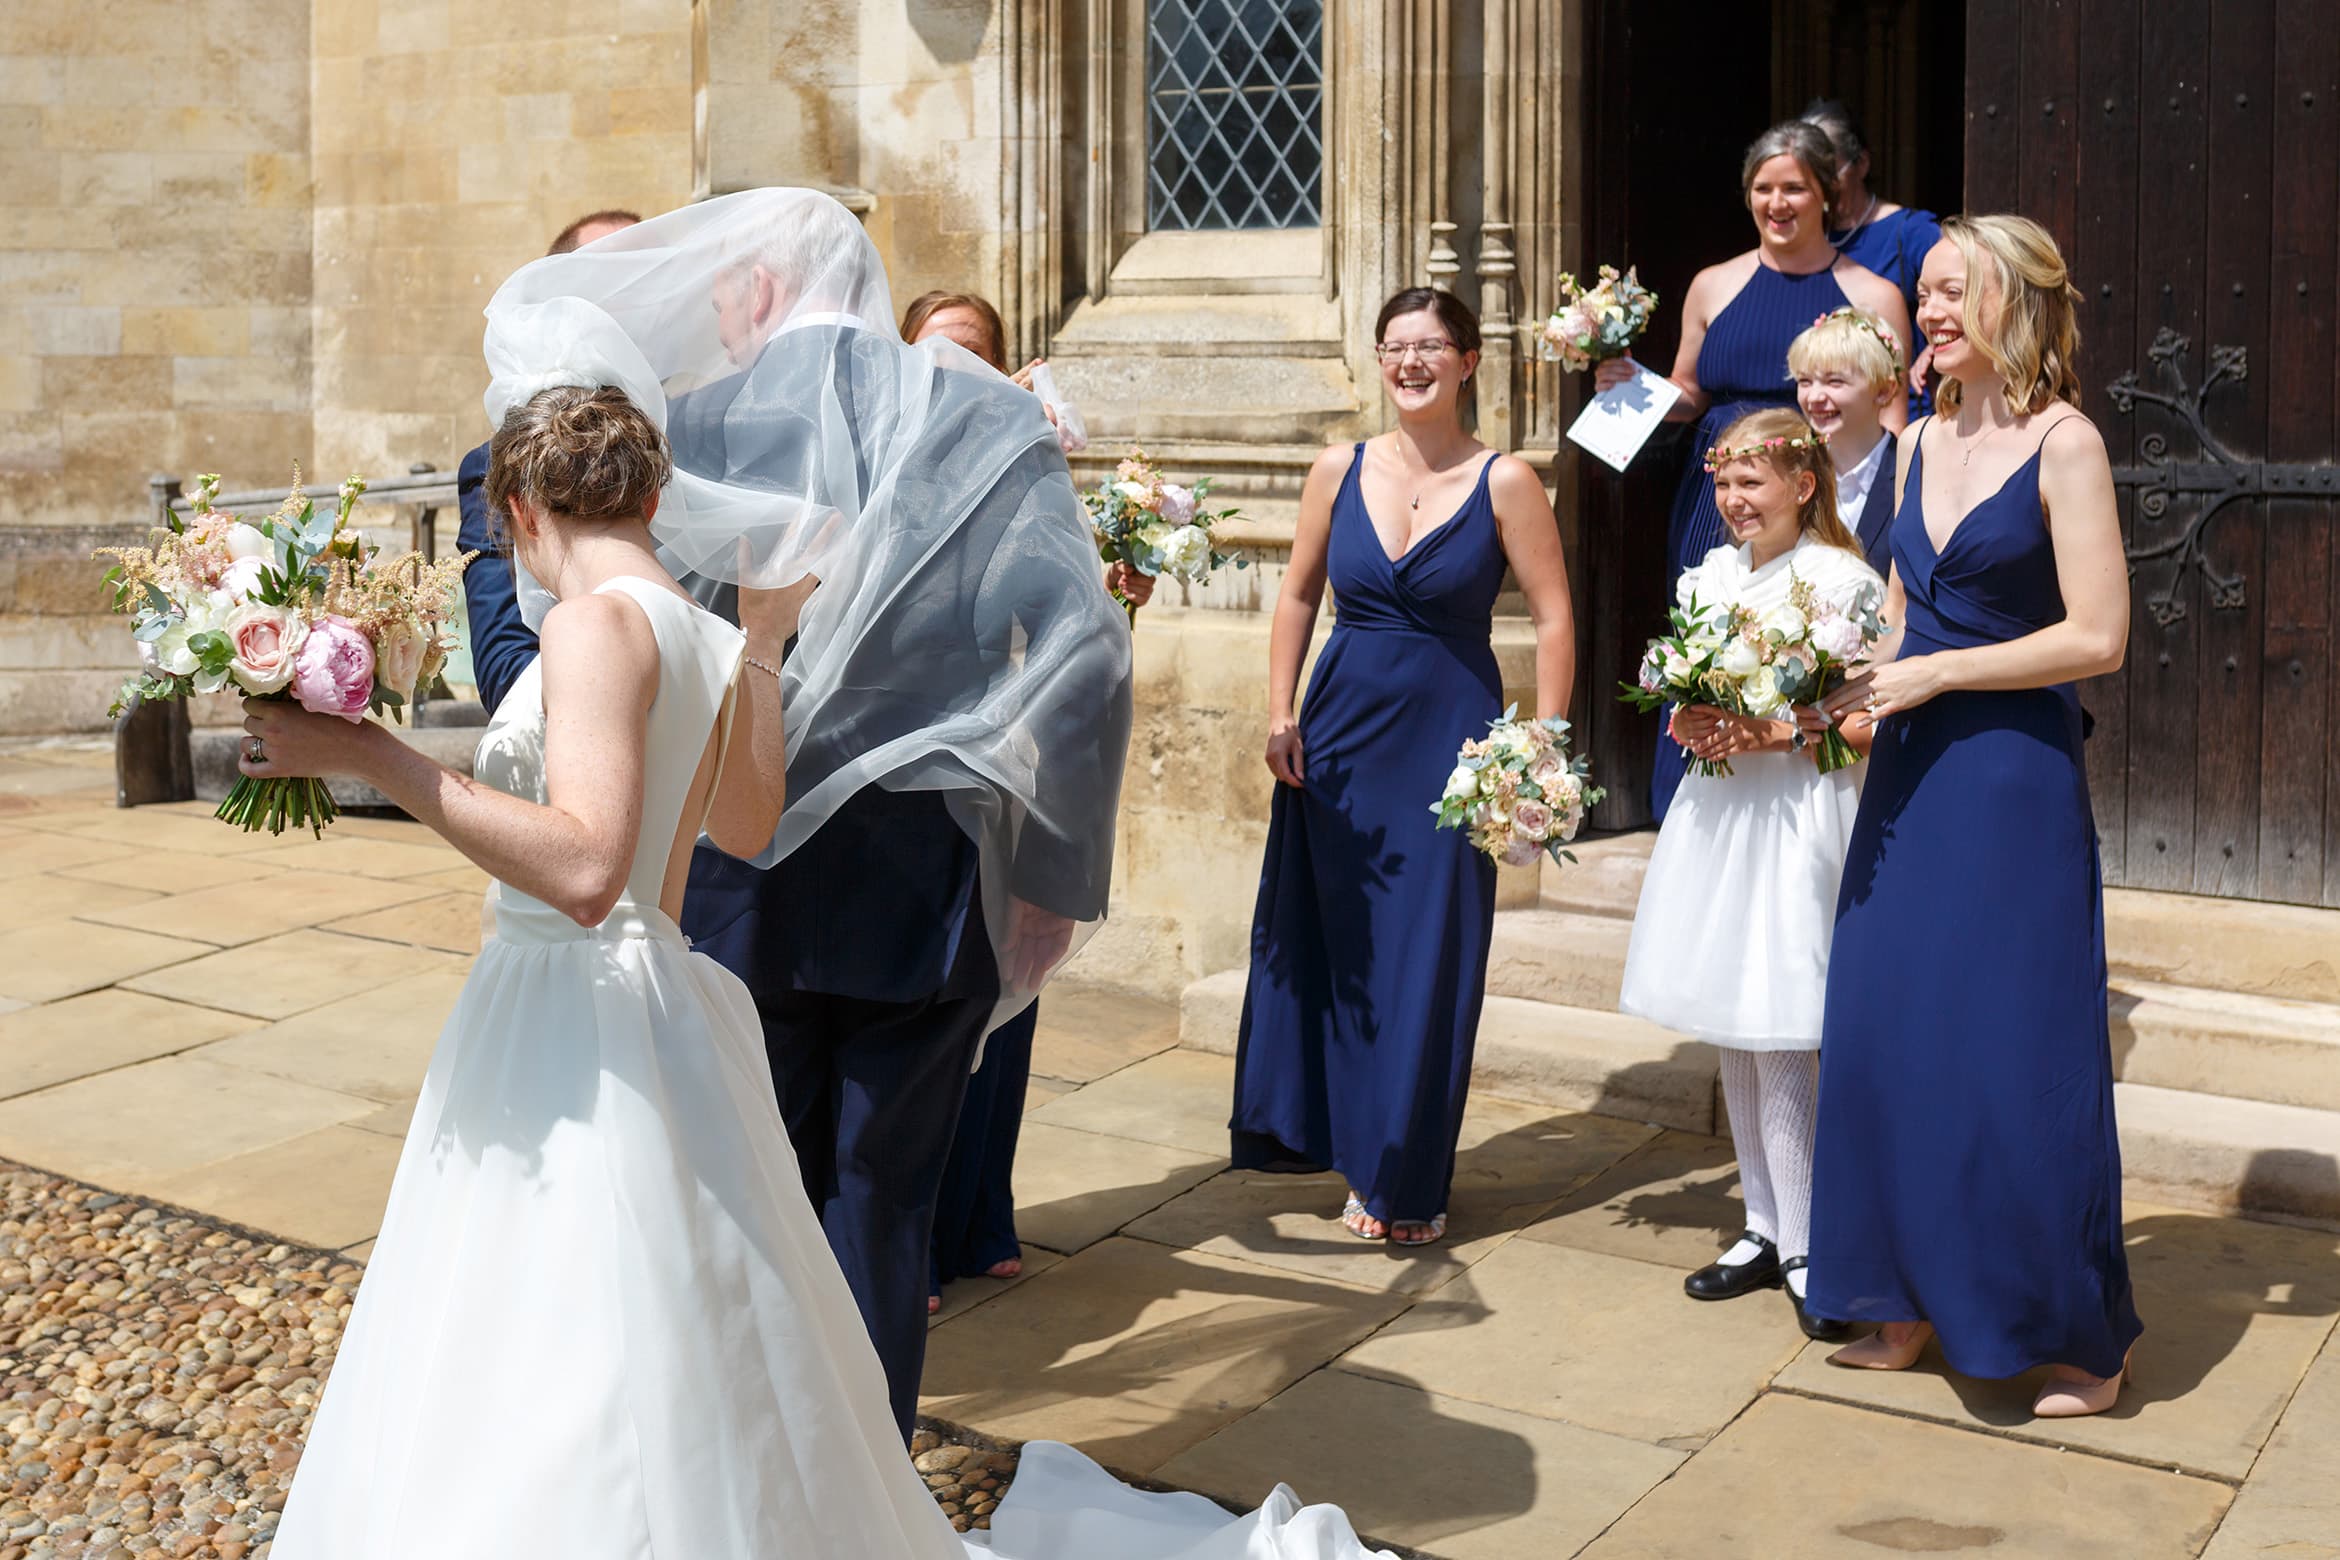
[{"x": 1730, "y": 942}]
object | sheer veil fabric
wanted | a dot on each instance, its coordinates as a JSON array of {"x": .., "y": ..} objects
[{"x": 961, "y": 639}]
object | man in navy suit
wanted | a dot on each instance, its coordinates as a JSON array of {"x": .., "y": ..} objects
[{"x": 866, "y": 949}]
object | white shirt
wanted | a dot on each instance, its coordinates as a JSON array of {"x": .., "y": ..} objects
[{"x": 1852, "y": 487}]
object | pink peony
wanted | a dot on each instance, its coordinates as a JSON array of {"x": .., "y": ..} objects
[
  {"x": 1838, "y": 638},
  {"x": 1175, "y": 504},
  {"x": 265, "y": 640},
  {"x": 334, "y": 674}
]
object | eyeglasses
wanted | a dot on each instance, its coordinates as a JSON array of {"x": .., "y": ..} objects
[{"x": 1428, "y": 351}]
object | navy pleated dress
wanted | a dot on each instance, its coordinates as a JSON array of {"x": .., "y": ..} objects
[
  {"x": 1369, "y": 945},
  {"x": 1742, "y": 367},
  {"x": 1967, "y": 1170}
]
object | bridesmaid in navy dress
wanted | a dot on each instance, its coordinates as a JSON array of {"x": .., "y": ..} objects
[
  {"x": 1369, "y": 945},
  {"x": 1891, "y": 240},
  {"x": 1738, "y": 319},
  {"x": 1968, "y": 1175}
]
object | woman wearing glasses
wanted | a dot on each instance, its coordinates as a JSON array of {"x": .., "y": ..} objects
[
  {"x": 1369, "y": 944},
  {"x": 1737, "y": 320}
]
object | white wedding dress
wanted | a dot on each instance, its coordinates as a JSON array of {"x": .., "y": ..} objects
[
  {"x": 1730, "y": 941},
  {"x": 601, "y": 1321}
]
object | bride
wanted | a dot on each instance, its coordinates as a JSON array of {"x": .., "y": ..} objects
[{"x": 601, "y": 1319}]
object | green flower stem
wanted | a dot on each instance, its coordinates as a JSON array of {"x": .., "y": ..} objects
[{"x": 270, "y": 804}]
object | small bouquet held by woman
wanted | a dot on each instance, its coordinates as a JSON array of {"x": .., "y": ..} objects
[
  {"x": 296, "y": 606},
  {"x": 1597, "y": 323},
  {"x": 1763, "y": 665},
  {"x": 1156, "y": 526},
  {"x": 1518, "y": 791}
]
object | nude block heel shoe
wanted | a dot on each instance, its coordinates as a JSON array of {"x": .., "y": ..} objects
[
  {"x": 1875, "y": 1353},
  {"x": 2079, "y": 1395}
]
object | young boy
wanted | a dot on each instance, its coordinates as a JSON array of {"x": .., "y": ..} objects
[{"x": 1847, "y": 369}]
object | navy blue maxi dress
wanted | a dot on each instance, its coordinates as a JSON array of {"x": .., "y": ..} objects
[
  {"x": 1742, "y": 367},
  {"x": 1967, "y": 1171},
  {"x": 1894, "y": 246},
  {"x": 1369, "y": 945},
  {"x": 975, "y": 1212}
]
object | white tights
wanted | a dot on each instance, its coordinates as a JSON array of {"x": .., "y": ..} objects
[{"x": 1774, "y": 1099}]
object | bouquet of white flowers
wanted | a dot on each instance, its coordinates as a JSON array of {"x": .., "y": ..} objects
[
  {"x": 1518, "y": 791},
  {"x": 1761, "y": 664},
  {"x": 1155, "y": 525},
  {"x": 1594, "y": 324},
  {"x": 295, "y": 606}
]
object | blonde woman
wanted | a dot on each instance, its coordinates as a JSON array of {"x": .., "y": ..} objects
[
  {"x": 1730, "y": 943},
  {"x": 1968, "y": 1178}
]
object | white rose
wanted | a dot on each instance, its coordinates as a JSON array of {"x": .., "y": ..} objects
[
  {"x": 1136, "y": 492},
  {"x": 398, "y": 658},
  {"x": 244, "y": 541},
  {"x": 242, "y": 580},
  {"x": 1186, "y": 552},
  {"x": 1177, "y": 505},
  {"x": 1784, "y": 622},
  {"x": 1463, "y": 784},
  {"x": 1678, "y": 667},
  {"x": 1763, "y": 696},
  {"x": 1840, "y": 639},
  {"x": 1740, "y": 659}
]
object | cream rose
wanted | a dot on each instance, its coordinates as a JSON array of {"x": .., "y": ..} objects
[
  {"x": 1740, "y": 659},
  {"x": 265, "y": 640},
  {"x": 1784, "y": 622},
  {"x": 398, "y": 658}
]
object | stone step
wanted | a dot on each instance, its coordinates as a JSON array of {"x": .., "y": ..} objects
[
  {"x": 2239, "y": 945},
  {"x": 2226, "y": 1043},
  {"x": 2178, "y": 1148},
  {"x": 1569, "y": 1058},
  {"x": 2229, "y": 1156}
]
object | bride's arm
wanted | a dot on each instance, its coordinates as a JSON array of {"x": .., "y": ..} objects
[
  {"x": 600, "y": 670},
  {"x": 754, "y": 784}
]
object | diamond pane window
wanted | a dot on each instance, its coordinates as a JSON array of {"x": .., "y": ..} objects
[{"x": 1234, "y": 100}]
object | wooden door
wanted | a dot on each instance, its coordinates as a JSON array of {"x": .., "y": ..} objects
[{"x": 2148, "y": 135}]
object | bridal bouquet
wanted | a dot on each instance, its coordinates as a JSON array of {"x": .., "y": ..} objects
[
  {"x": 1760, "y": 664},
  {"x": 1594, "y": 324},
  {"x": 295, "y": 606},
  {"x": 1155, "y": 525},
  {"x": 1518, "y": 791}
]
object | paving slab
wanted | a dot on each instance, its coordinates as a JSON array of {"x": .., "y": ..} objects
[
  {"x": 1134, "y": 1352},
  {"x": 98, "y": 1032},
  {"x": 237, "y": 913},
  {"x": 324, "y": 1188},
  {"x": 375, "y": 1044},
  {"x": 41, "y": 898},
  {"x": 2290, "y": 1509},
  {"x": 448, "y": 922},
  {"x": 1455, "y": 1479},
  {"x": 291, "y": 974},
  {"x": 1178, "y": 1099},
  {"x": 173, "y": 871},
  {"x": 24, "y": 852},
  {"x": 1513, "y": 1160},
  {"x": 1075, "y": 1188},
  {"x": 2234, "y": 1312},
  {"x": 158, "y": 1118},
  {"x": 1673, "y": 1201},
  {"x": 369, "y": 858},
  {"x": 155, "y": 828},
  {"x": 63, "y": 958},
  {"x": 465, "y": 879},
  {"x": 1084, "y": 1034},
  {"x": 390, "y": 1120},
  {"x": 1600, "y": 1341},
  {"x": 1824, "y": 1481},
  {"x": 962, "y": 1295}
]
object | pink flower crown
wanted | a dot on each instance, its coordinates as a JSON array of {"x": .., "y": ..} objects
[
  {"x": 1719, "y": 456},
  {"x": 1862, "y": 319}
]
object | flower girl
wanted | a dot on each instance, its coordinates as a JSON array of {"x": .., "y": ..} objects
[{"x": 1730, "y": 943}]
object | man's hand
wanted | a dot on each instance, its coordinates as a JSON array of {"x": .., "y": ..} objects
[{"x": 1037, "y": 942}]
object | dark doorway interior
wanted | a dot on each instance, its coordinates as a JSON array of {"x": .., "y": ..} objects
[{"x": 1674, "y": 91}]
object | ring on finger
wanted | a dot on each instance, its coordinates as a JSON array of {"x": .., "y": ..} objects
[{"x": 255, "y": 750}]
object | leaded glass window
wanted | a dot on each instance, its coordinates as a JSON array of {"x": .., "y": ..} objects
[{"x": 1235, "y": 96}]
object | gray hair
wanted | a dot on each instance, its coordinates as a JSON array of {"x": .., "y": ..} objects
[{"x": 1807, "y": 143}]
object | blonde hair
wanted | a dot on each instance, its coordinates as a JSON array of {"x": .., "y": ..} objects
[
  {"x": 1787, "y": 442},
  {"x": 1850, "y": 339},
  {"x": 2035, "y": 345},
  {"x": 585, "y": 454}
]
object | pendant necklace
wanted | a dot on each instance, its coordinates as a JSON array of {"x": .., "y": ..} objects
[{"x": 1966, "y": 456}]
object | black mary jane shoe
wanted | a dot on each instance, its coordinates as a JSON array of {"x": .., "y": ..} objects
[
  {"x": 1824, "y": 1328},
  {"x": 1729, "y": 1280}
]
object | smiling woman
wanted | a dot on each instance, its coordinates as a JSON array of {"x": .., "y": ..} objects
[{"x": 1737, "y": 321}]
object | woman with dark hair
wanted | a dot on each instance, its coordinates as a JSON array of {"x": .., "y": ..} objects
[
  {"x": 1369, "y": 944},
  {"x": 1737, "y": 321},
  {"x": 1890, "y": 240}
]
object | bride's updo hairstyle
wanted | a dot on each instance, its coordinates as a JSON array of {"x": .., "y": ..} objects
[
  {"x": 580, "y": 453},
  {"x": 1783, "y": 440},
  {"x": 2035, "y": 341}
]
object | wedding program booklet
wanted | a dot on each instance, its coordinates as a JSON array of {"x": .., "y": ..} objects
[{"x": 1616, "y": 423}]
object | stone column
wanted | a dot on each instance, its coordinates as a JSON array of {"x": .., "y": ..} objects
[{"x": 1498, "y": 267}]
